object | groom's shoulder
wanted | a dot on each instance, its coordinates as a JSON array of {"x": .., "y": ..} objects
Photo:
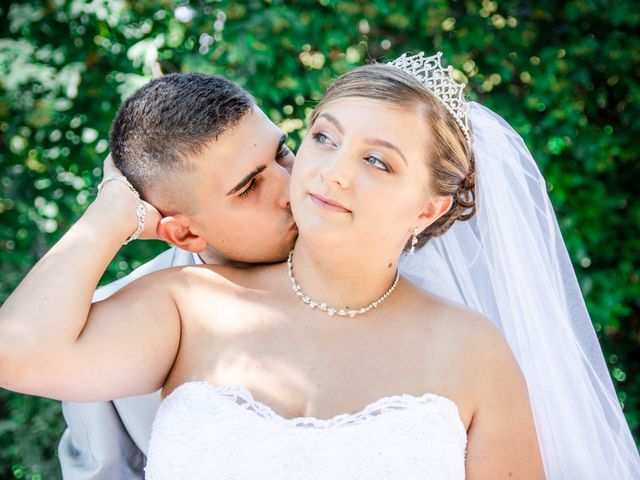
[{"x": 173, "y": 257}]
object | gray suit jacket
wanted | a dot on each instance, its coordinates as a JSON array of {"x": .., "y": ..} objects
[{"x": 109, "y": 440}]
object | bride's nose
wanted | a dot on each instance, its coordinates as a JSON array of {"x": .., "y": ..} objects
[{"x": 339, "y": 169}]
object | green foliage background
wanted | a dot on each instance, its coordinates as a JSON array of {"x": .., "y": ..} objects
[{"x": 564, "y": 74}]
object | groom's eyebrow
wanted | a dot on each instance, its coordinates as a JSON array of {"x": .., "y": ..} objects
[{"x": 246, "y": 179}]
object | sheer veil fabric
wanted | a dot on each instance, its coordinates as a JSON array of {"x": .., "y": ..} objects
[{"x": 510, "y": 263}]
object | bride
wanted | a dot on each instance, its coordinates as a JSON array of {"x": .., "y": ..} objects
[{"x": 333, "y": 365}]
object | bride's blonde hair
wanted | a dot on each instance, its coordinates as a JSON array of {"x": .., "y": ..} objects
[{"x": 450, "y": 157}]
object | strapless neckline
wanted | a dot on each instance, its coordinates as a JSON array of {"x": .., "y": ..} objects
[
  {"x": 204, "y": 431},
  {"x": 242, "y": 397}
]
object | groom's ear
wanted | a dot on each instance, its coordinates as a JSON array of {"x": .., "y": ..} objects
[{"x": 175, "y": 230}]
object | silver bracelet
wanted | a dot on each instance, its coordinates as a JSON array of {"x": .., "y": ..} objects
[{"x": 141, "y": 210}]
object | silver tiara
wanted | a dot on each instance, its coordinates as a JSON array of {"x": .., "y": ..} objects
[{"x": 438, "y": 80}]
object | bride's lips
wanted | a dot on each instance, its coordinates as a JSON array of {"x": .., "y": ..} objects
[{"x": 327, "y": 203}]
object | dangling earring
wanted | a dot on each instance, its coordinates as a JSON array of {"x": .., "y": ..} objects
[{"x": 414, "y": 240}]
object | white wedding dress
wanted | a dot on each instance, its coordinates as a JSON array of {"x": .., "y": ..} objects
[{"x": 203, "y": 431}]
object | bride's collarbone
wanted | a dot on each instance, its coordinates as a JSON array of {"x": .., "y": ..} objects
[
  {"x": 230, "y": 339},
  {"x": 316, "y": 380}
]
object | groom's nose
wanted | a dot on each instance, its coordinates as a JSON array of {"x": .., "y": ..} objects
[
  {"x": 284, "y": 177},
  {"x": 284, "y": 197}
]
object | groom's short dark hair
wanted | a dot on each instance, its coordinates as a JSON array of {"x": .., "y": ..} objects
[{"x": 158, "y": 129}]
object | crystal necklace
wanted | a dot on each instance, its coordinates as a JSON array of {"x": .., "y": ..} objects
[{"x": 331, "y": 311}]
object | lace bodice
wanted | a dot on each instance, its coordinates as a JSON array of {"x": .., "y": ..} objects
[{"x": 204, "y": 431}]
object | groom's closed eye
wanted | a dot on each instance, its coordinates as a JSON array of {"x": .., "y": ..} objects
[
  {"x": 283, "y": 152},
  {"x": 255, "y": 181},
  {"x": 248, "y": 180},
  {"x": 284, "y": 155}
]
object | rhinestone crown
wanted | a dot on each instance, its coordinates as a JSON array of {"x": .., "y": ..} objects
[{"x": 438, "y": 80}]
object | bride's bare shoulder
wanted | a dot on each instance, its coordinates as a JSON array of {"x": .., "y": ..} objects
[
  {"x": 468, "y": 335},
  {"x": 213, "y": 280},
  {"x": 474, "y": 361}
]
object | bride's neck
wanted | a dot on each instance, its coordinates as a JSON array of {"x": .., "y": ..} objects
[{"x": 341, "y": 278}]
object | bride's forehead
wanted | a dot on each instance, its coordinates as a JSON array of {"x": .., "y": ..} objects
[
  {"x": 362, "y": 117},
  {"x": 365, "y": 113}
]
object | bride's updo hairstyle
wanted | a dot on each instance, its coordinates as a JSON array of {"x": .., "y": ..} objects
[{"x": 449, "y": 157}]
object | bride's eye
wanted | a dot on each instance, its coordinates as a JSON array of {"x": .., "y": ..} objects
[
  {"x": 377, "y": 163},
  {"x": 320, "y": 137}
]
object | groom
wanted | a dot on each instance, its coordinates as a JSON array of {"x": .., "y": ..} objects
[{"x": 199, "y": 149}]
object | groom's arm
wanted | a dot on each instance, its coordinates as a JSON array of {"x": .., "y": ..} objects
[
  {"x": 96, "y": 445},
  {"x": 108, "y": 440}
]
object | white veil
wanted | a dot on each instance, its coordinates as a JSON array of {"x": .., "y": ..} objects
[{"x": 510, "y": 263}]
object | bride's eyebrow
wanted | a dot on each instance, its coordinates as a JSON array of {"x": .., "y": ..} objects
[
  {"x": 383, "y": 143},
  {"x": 373, "y": 141},
  {"x": 333, "y": 120}
]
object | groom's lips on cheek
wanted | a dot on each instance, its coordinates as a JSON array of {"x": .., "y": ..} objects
[{"x": 328, "y": 204}]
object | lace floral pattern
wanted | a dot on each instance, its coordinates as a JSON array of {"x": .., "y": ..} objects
[{"x": 205, "y": 431}]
